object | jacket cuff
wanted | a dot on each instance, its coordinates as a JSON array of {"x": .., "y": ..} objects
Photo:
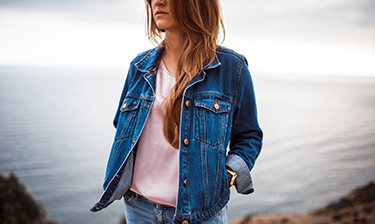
[{"x": 243, "y": 183}]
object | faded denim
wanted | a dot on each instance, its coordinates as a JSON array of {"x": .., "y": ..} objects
[
  {"x": 221, "y": 112},
  {"x": 139, "y": 209}
]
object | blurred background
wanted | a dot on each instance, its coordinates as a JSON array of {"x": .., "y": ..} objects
[{"x": 63, "y": 64}]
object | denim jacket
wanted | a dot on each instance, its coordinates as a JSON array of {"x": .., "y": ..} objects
[{"x": 218, "y": 110}]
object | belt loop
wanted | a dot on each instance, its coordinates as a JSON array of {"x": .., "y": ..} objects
[{"x": 136, "y": 196}]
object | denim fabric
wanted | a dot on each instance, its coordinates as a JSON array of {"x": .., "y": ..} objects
[
  {"x": 218, "y": 111},
  {"x": 139, "y": 209}
]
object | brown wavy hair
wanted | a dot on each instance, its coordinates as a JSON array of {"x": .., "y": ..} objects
[{"x": 200, "y": 21}]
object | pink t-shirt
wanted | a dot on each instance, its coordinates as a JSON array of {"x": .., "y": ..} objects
[{"x": 156, "y": 165}]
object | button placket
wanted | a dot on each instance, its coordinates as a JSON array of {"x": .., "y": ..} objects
[{"x": 186, "y": 140}]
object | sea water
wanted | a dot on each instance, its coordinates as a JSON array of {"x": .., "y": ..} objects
[{"x": 56, "y": 132}]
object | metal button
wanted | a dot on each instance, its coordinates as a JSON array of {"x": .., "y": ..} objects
[
  {"x": 185, "y": 182},
  {"x": 185, "y": 222},
  {"x": 187, "y": 103},
  {"x": 216, "y": 106},
  {"x": 186, "y": 141},
  {"x": 125, "y": 104}
]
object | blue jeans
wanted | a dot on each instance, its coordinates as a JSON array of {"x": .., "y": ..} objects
[{"x": 139, "y": 209}]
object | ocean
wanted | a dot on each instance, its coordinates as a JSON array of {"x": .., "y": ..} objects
[{"x": 56, "y": 132}]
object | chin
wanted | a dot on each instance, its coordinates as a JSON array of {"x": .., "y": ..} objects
[{"x": 162, "y": 27}]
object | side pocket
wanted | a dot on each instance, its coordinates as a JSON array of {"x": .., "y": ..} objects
[{"x": 220, "y": 217}]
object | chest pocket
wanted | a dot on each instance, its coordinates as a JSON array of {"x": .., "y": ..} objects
[
  {"x": 129, "y": 110},
  {"x": 211, "y": 119}
]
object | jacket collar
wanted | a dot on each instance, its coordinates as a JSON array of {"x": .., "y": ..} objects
[
  {"x": 151, "y": 60},
  {"x": 214, "y": 64}
]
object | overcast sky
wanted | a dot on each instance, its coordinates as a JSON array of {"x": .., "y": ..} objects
[{"x": 288, "y": 36}]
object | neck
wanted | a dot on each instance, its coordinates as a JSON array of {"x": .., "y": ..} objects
[{"x": 173, "y": 48}]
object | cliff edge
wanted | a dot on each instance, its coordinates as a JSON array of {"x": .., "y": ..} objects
[{"x": 358, "y": 207}]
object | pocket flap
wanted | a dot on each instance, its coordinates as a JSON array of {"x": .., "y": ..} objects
[
  {"x": 130, "y": 104},
  {"x": 213, "y": 103}
]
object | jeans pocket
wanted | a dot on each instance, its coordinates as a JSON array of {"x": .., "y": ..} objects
[{"x": 220, "y": 217}]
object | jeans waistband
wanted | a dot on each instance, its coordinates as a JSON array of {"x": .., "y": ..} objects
[{"x": 131, "y": 195}]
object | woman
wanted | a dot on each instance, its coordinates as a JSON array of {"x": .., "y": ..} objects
[{"x": 183, "y": 102}]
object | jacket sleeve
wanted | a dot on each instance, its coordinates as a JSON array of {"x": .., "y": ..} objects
[{"x": 246, "y": 135}]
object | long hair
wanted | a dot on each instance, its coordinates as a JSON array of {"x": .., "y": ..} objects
[{"x": 200, "y": 21}]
